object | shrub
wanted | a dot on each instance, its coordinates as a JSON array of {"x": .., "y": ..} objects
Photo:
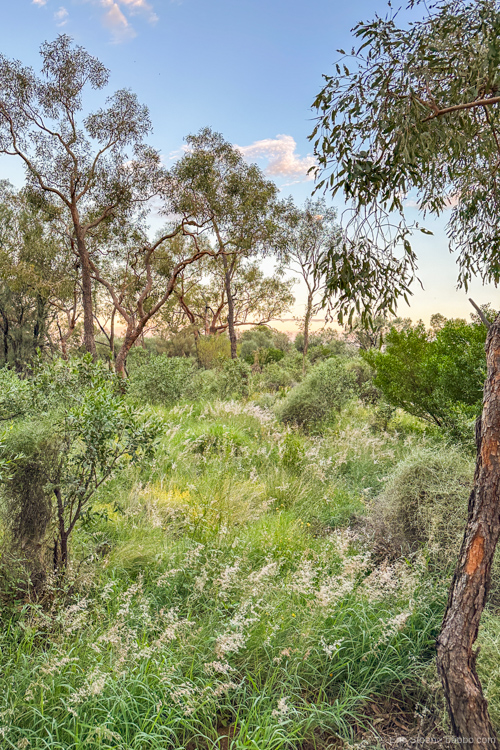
[
  {"x": 438, "y": 377},
  {"x": 212, "y": 349},
  {"x": 327, "y": 387},
  {"x": 15, "y": 394},
  {"x": 275, "y": 377},
  {"x": 160, "y": 379},
  {"x": 364, "y": 375},
  {"x": 425, "y": 503},
  {"x": 233, "y": 379},
  {"x": 26, "y": 506},
  {"x": 58, "y": 465}
]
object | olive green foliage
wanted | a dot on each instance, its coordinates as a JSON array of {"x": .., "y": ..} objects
[
  {"x": 265, "y": 344},
  {"x": 364, "y": 375},
  {"x": 326, "y": 388},
  {"x": 403, "y": 114},
  {"x": 436, "y": 377},
  {"x": 160, "y": 379},
  {"x": 15, "y": 394},
  {"x": 85, "y": 431},
  {"x": 274, "y": 377},
  {"x": 26, "y": 508},
  {"x": 424, "y": 502},
  {"x": 212, "y": 350},
  {"x": 233, "y": 379}
]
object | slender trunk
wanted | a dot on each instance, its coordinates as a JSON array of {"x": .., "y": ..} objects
[
  {"x": 230, "y": 307},
  {"x": 61, "y": 545},
  {"x": 5, "y": 331},
  {"x": 307, "y": 321},
  {"x": 456, "y": 660},
  {"x": 131, "y": 336},
  {"x": 112, "y": 334},
  {"x": 88, "y": 313}
]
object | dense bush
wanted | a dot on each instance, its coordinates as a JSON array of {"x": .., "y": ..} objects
[
  {"x": 327, "y": 387},
  {"x": 273, "y": 378},
  {"x": 211, "y": 350},
  {"x": 262, "y": 346},
  {"x": 436, "y": 376},
  {"x": 56, "y": 463},
  {"x": 233, "y": 379},
  {"x": 424, "y": 502},
  {"x": 160, "y": 379}
]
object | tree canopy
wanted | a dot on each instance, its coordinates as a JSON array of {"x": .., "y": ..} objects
[{"x": 413, "y": 112}]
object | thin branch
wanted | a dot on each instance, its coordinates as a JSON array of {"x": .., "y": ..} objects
[
  {"x": 481, "y": 314},
  {"x": 467, "y": 105}
]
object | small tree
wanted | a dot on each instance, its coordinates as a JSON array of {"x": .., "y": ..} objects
[
  {"x": 417, "y": 112},
  {"x": 142, "y": 274},
  {"x": 230, "y": 200},
  {"x": 89, "y": 165},
  {"x": 257, "y": 299},
  {"x": 85, "y": 432},
  {"x": 310, "y": 233}
]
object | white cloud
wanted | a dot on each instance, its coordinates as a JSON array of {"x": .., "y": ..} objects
[
  {"x": 281, "y": 157},
  {"x": 61, "y": 16},
  {"x": 140, "y": 6},
  {"x": 116, "y": 16},
  {"x": 115, "y": 21},
  {"x": 40, "y": 3}
]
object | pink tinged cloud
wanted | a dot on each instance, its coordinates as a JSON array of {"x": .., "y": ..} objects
[
  {"x": 115, "y": 18},
  {"x": 40, "y": 3},
  {"x": 61, "y": 16},
  {"x": 115, "y": 21},
  {"x": 282, "y": 159}
]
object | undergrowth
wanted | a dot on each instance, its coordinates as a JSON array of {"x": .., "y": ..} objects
[{"x": 228, "y": 584}]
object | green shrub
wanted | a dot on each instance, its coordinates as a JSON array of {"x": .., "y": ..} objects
[
  {"x": 274, "y": 377},
  {"x": 326, "y": 388},
  {"x": 233, "y": 379},
  {"x": 160, "y": 379},
  {"x": 26, "y": 508},
  {"x": 424, "y": 502},
  {"x": 15, "y": 394},
  {"x": 364, "y": 374},
  {"x": 212, "y": 349},
  {"x": 438, "y": 377}
]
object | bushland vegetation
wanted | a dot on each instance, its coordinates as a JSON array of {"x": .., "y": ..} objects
[
  {"x": 211, "y": 535},
  {"x": 253, "y": 555}
]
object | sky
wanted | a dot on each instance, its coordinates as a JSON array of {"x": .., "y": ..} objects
[{"x": 249, "y": 69}]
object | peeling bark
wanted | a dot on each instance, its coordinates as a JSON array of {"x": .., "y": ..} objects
[{"x": 456, "y": 659}]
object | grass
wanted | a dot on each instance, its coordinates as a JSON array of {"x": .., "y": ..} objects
[{"x": 224, "y": 587}]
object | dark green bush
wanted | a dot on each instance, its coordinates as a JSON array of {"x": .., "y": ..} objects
[
  {"x": 436, "y": 376},
  {"x": 424, "y": 502},
  {"x": 326, "y": 388},
  {"x": 160, "y": 379},
  {"x": 233, "y": 379}
]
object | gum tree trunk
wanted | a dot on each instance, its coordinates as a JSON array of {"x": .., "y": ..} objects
[
  {"x": 230, "y": 306},
  {"x": 456, "y": 659},
  {"x": 88, "y": 312}
]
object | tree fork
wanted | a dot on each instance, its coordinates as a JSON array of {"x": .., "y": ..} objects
[{"x": 456, "y": 660}]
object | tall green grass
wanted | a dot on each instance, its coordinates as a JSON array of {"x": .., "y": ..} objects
[{"x": 223, "y": 586}]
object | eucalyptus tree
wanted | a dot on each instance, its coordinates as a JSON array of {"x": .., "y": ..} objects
[
  {"x": 37, "y": 277},
  {"x": 230, "y": 200},
  {"x": 310, "y": 233},
  {"x": 257, "y": 299},
  {"x": 139, "y": 274},
  {"x": 414, "y": 111},
  {"x": 90, "y": 164}
]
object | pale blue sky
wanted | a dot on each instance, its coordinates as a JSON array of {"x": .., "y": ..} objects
[{"x": 247, "y": 68}]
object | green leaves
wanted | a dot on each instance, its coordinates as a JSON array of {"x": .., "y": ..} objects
[{"x": 411, "y": 114}]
